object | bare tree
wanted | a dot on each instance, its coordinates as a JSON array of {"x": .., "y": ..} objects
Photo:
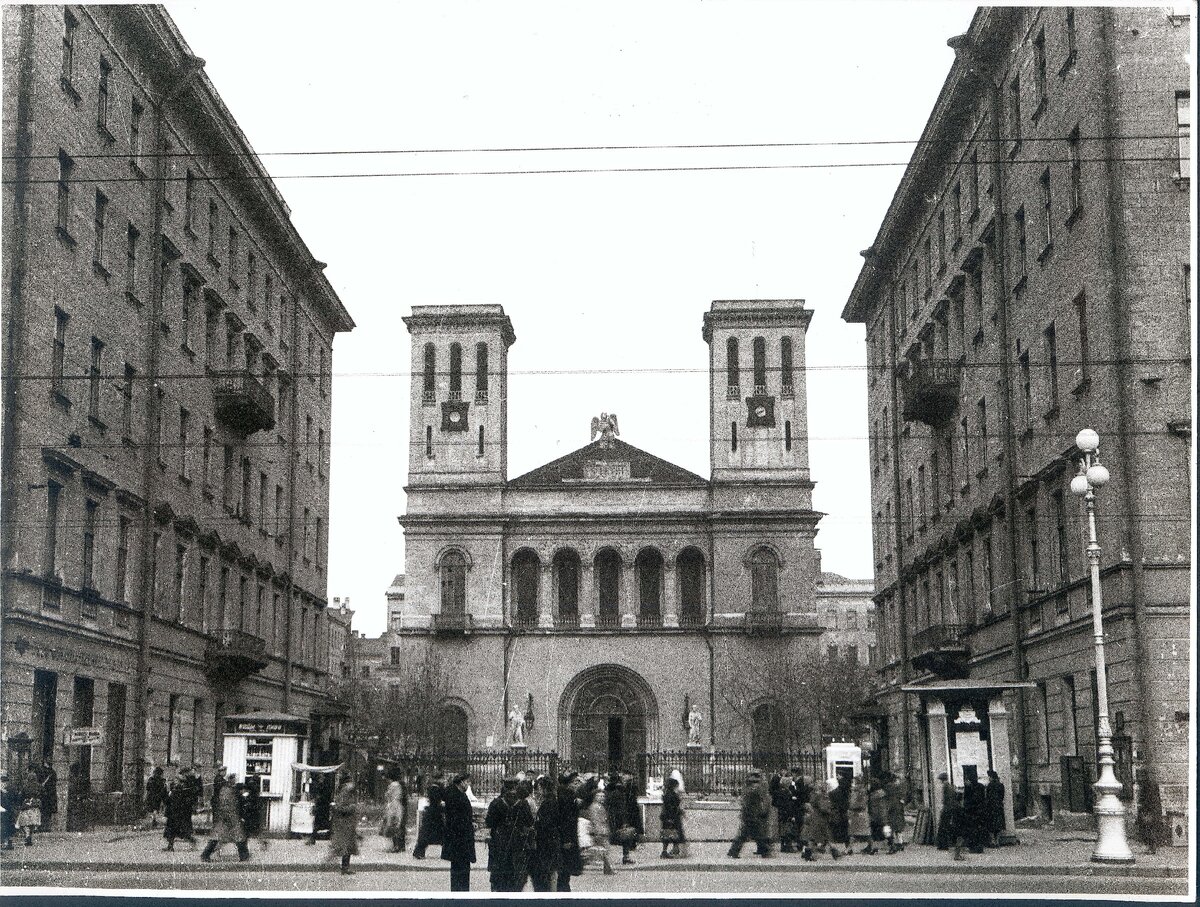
[{"x": 398, "y": 716}]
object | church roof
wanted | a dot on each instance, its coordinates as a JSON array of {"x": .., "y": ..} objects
[{"x": 613, "y": 463}]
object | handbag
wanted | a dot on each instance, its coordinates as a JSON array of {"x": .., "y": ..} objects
[
  {"x": 626, "y": 834},
  {"x": 670, "y": 835}
]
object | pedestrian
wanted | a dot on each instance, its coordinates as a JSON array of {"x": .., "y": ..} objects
[
  {"x": 671, "y": 819},
  {"x": 156, "y": 795},
  {"x": 754, "y": 817},
  {"x": 10, "y": 805},
  {"x": 30, "y": 816},
  {"x": 322, "y": 794},
  {"x": 177, "y": 822},
  {"x": 949, "y": 832},
  {"x": 522, "y": 837},
  {"x": 227, "y": 823},
  {"x": 994, "y": 808},
  {"x": 48, "y": 779},
  {"x": 1151, "y": 829},
  {"x": 839, "y": 812},
  {"x": 458, "y": 846},
  {"x": 195, "y": 783},
  {"x": 858, "y": 815},
  {"x": 815, "y": 831},
  {"x": 219, "y": 775},
  {"x": 801, "y": 791},
  {"x": 877, "y": 808},
  {"x": 571, "y": 863},
  {"x": 499, "y": 858},
  {"x": 624, "y": 814},
  {"x": 395, "y": 813},
  {"x": 782, "y": 789},
  {"x": 897, "y": 821},
  {"x": 974, "y": 814},
  {"x": 595, "y": 828},
  {"x": 343, "y": 826},
  {"x": 430, "y": 819},
  {"x": 253, "y": 811},
  {"x": 547, "y": 850}
]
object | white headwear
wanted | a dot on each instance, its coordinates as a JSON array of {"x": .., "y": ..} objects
[{"x": 678, "y": 776}]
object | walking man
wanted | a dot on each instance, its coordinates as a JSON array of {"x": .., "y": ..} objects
[
  {"x": 755, "y": 812},
  {"x": 227, "y": 824},
  {"x": 458, "y": 848},
  {"x": 547, "y": 851}
]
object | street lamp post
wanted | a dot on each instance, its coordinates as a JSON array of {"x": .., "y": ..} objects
[{"x": 1111, "y": 846}]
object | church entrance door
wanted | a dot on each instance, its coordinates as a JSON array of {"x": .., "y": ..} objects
[{"x": 607, "y": 724}]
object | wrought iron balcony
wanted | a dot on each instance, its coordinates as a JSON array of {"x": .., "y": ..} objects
[
  {"x": 931, "y": 391},
  {"x": 566, "y": 621},
  {"x": 942, "y": 650},
  {"x": 650, "y": 619},
  {"x": 608, "y": 620},
  {"x": 523, "y": 620},
  {"x": 691, "y": 618},
  {"x": 243, "y": 401},
  {"x": 233, "y": 655},
  {"x": 766, "y": 623},
  {"x": 452, "y": 624}
]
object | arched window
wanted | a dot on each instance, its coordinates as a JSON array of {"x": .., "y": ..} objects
[
  {"x": 648, "y": 566},
  {"x": 768, "y": 733},
  {"x": 760, "y": 365},
  {"x": 764, "y": 580},
  {"x": 785, "y": 366},
  {"x": 429, "y": 378},
  {"x": 451, "y": 731},
  {"x": 566, "y": 583},
  {"x": 608, "y": 581},
  {"x": 733, "y": 378},
  {"x": 481, "y": 373},
  {"x": 525, "y": 570},
  {"x": 453, "y": 575},
  {"x": 455, "y": 371},
  {"x": 690, "y": 567}
]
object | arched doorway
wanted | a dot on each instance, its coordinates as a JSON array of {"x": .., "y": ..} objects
[{"x": 608, "y": 717}]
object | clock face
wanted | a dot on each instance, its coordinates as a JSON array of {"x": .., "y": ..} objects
[
  {"x": 456, "y": 417},
  {"x": 760, "y": 411}
]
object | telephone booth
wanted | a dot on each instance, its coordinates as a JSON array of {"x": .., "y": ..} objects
[
  {"x": 267, "y": 745},
  {"x": 842, "y": 758}
]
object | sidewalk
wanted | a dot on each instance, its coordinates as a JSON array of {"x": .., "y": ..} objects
[{"x": 1041, "y": 852}]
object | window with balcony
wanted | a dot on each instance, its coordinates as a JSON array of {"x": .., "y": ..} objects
[
  {"x": 764, "y": 580},
  {"x": 759, "y": 347},
  {"x": 452, "y": 573},
  {"x": 566, "y": 568},
  {"x": 608, "y": 583},
  {"x": 525, "y": 570},
  {"x": 785, "y": 367},
  {"x": 690, "y": 566},
  {"x": 481, "y": 374},
  {"x": 732, "y": 372},
  {"x": 648, "y": 567},
  {"x": 429, "y": 376},
  {"x": 455, "y": 372}
]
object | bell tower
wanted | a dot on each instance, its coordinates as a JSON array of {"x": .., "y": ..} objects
[
  {"x": 458, "y": 396},
  {"x": 758, "y": 413}
]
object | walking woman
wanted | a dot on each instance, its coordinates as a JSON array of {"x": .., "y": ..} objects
[
  {"x": 839, "y": 813},
  {"x": 859, "y": 816},
  {"x": 547, "y": 850},
  {"x": 594, "y": 813},
  {"x": 568, "y": 831},
  {"x": 897, "y": 821},
  {"x": 343, "y": 826},
  {"x": 431, "y": 826},
  {"x": 671, "y": 819},
  {"x": 395, "y": 814},
  {"x": 816, "y": 832},
  {"x": 227, "y": 824}
]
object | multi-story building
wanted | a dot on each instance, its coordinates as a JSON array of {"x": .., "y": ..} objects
[
  {"x": 168, "y": 345},
  {"x": 341, "y": 639},
  {"x": 395, "y": 603},
  {"x": 1031, "y": 278},
  {"x": 846, "y": 608},
  {"x": 606, "y": 595}
]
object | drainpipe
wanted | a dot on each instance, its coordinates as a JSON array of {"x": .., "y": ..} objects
[
  {"x": 293, "y": 458},
  {"x": 188, "y": 68}
]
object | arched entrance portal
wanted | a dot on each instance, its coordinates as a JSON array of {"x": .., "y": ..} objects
[{"x": 608, "y": 717}]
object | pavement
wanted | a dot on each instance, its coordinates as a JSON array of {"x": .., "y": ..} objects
[{"x": 1041, "y": 852}]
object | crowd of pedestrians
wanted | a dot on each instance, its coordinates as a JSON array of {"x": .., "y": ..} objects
[{"x": 973, "y": 820}]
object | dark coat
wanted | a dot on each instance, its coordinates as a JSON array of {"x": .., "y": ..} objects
[
  {"x": 623, "y": 809},
  {"x": 156, "y": 792},
  {"x": 671, "y": 814},
  {"x": 518, "y": 832},
  {"x": 252, "y": 805},
  {"x": 816, "y": 818},
  {"x": 459, "y": 843},
  {"x": 974, "y": 814},
  {"x": 950, "y": 821},
  {"x": 547, "y": 853},
  {"x": 218, "y": 783},
  {"x": 431, "y": 826},
  {"x": 343, "y": 823},
  {"x": 994, "y": 797},
  {"x": 755, "y": 811},
  {"x": 227, "y": 821},
  {"x": 568, "y": 831},
  {"x": 49, "y": 781},
  {"x": 895, "y": 806},
  {"x": 782, "y": 798},
  {"x": 499, "y": 859},
  {"x": 839, "y": 812},
  {"x": 179, "y": 807},
  {"x": 1151, "y": 826}
]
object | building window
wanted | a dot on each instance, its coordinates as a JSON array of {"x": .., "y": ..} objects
[
  {"x": 127, "y": 402},
  {"x": 70, "y": 23},
  {"x": 785, "y": 366},
  {"x": 608, "y": 581},
  {"x": 910, "y": 502},
  {"x": 1026, "y": 393},
  {"x": 973, "y": 172},
  {"x": 1019, "y": 225},
  {"x": 648, "y": 568},
  {"x": 479, "y": 452},
  {"x": 321, "y": 451},
  {"x": 66, "y": 166},
  {"x": 832, "y": 653},
  {"x": 1072, "y": 39},
  {"x": 322, "y": 385},
  {"x": 732, "y": 372},
  {"x": 98, "y": 243},
  {"x": 690, "y": 566},
  {"x": 102, "y": 96},
  {"x": 1035, "y": 565},
  {"x": 759, "y": 347},
  {"x": 308, "y": 427},
  {"x": 1039, "y": 69},
  {"x": 1062, "y": 573},
  {"x": 262, "y": 501},
  {"x": 214, "y": 222},
  {"x": 481, "y": 373},
  {"x": 184, "y": 419},
  {"x": 455, "y": 372},
  {"x": 1014, "y": 111},
  {"x": 921, "y": 496},
  {"x": 764, "y": 581},
  {"x": 1047, "y": 212},
  {"x": 180, "y": 579},
  {"x": 395, "y": 656},
  {"x": 189, "y": 202},
  {"x": 1052, "y": 364},
  {"x": 526, "y": 570},
  {"x": 883, "y": 437},
  {"x": 201, "y": 604},
  {"x": 981, "y": 408},
  {"x": 429, "y": 442},
  {"x": 566, "y": 582},
  {"x": 131, "y": 257},
  {"x": 956, "y": 212},
  {"x": 122, "y": 566},
  {"x": 279, "y": 511},
  {"x": 187, "y": 305},
  {"x": 942, "y": 240},
  {"x": 89, "y": 545},
  {"x": 59, "y": 354},
  {"x": 787, "y": 435},
  {"x": 928, "y": 267},
  {"x": 94, "y": 381},
  {"x": 1084, "y": 352},
  {"x": 452, "y": 572},
  {"x": 318, "y": 535},
  {"x": 135, "y": 132},
  {"x": 977, "y": 294},
  {"x": 1075, "y": 169},
  {"x": 733, "y": 437},
  {"x": 852, "y": 653},
  {"x": 227, "y": 479},
  {"x": 304, "y": 535},
  {"x": 429, "y": 376},
  {"x": 1183, "y": 126}
]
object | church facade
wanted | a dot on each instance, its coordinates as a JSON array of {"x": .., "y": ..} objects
[{"x": 601, "y": 599}]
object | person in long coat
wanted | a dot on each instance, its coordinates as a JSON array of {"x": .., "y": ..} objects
[
  {"x": 1151, "y": 828},
  {"x": 395, "y": 814},
  {"x": 10, "y": 802},
  {"x": 253, "y": 808},
  {"x": 521, "y": 837},
  {"x": 783, "y": 790},
  {"x": 815, "y": 831},
  {"x": 974, "y": 815},
  {"x": 754, "y": 818},
  {"x": 178, "y": 821},
  {"x": 897, "y": 820},
  {"x": 593, "y": 810},
  {"x": 431, "y": 824},
  {"x": 671, "y": 819},
  {"x": 547, "y": 852},
  {"x": 839, "y": 812},
  {"x": 949, "y": 833},
  {"x": 458, "y": 846},
  {"x": 499, "y": 863},
  {"x": 343, "y": 826},
  {"x": 877, "y": 808},
  {"x": 859, "y": 815},
  {"x": 624, "y": 814},
  {"x": 568, "y": 832},
  {"x": 156, "y": 795},
  {"x": 227, "y": 824},
  {"x": 30, "y": 816},
  {"x": 48, "y": 779},
  {"x": 994, "y": 808}
]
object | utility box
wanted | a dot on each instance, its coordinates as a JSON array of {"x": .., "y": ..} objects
[{"x": 1178, "y": 826}]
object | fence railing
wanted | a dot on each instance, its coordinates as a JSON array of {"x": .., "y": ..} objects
[
  {"x": 722, "y": 772},
  {"x": 487, "y": 767}
]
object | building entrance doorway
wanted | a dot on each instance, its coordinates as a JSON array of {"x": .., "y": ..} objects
[{"x": 609, "y": 721}]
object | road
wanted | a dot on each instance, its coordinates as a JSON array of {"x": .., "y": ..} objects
[{"x": 646, "y": 880}]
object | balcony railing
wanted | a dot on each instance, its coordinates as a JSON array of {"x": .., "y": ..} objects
[
  {"x": 691, "y": 619},
  {"x": 243, "y": 401},
  {"x": 481, "y": 398},
  {"x": 931, "y": 391},
  {"x": 452, "y": 624},
  {"x": 733, "y": 392},
  {"x": 567, "y": 621},
  {"x": 941, "y": 649},
  {"x": 760, "y": 390},
  {"x": 608, "y": 620},
  {"x": 763, "y": 622},
  {"x": 525, "y": 621},
  {"x": 232, "y": 655},
  {"x": 649, "y": 619},
  {"x": 428, "y": 398},
  {"x": 789, "y": 390}
]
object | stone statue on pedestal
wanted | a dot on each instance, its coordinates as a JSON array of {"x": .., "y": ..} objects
[
  {"x": 516, "y": 727},
  {"x": 695, "y": 719}
]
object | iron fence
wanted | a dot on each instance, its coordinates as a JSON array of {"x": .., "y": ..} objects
[
  {"x": 722, "y": 772},
  {"x": 487, "y": 767}
]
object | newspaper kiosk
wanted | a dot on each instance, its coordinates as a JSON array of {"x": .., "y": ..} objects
[
  {"x": 267, "y": 745},
  {"x": 842, "y": 759}
]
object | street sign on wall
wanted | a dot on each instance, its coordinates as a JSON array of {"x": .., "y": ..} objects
[{"x": 85, "y": 736}]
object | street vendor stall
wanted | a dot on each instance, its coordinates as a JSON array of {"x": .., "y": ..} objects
[
  {"x": 303, "y": 813},
  {"x": 267, "y": 744}
]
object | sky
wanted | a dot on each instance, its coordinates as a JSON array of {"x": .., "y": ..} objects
[{"x": 606, "y": 275}]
